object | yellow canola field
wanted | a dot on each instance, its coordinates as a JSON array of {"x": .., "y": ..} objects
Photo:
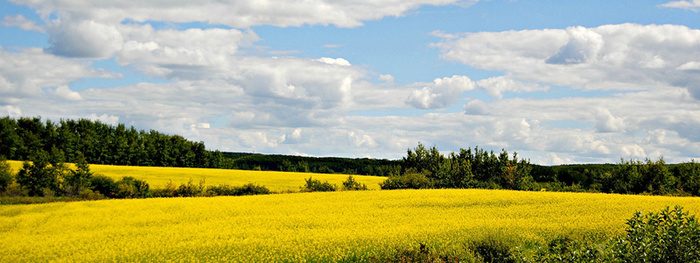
[
  {"x": 335, "y": 226},
  {"x": 159, "y": 177}
]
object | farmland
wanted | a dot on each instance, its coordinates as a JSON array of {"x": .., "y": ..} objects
[
  {"x": 158, "y": 177},
  {"x": 350, "y": 225}
]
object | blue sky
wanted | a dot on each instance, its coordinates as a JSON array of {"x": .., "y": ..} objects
[{"x": 556, "y": 81}]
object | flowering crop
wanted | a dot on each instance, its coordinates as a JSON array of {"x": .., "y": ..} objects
[
  {"x": 331, "y": 226},
  {"x": 158, "y": 177}
]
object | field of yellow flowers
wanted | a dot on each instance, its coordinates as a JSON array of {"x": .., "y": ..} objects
[
  {"x": 159, "y": 177},
  {"x": 333, "y": 226}
]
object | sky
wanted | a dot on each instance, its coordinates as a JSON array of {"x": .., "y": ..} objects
[{"x": 557, "y": 81}]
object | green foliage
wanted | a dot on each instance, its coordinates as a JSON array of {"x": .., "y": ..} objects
[
  {"x": 104, "y": 185},
  {"x": 190, "y": 189},
  {"x": 467, "y": 169},
  {"x": 564, "y": 249},
  {"x": 251, "y": 189},
  {"x": 492, "y": 250},
  {"x": 352, "y": 184},
  {"x": 129, "y": 187},
  {"x": 313, "y": 185},
  {"x": 6, "y": 177},
  {"x": 411, "y": 179},
  {"x": 78, "y": 180},
  {"x": 688, "y": 175},
  {"x": 40, "y": 177},
  {"x": 636, "y": 177},
  {"x": 422, "y": 254},
  {"x": 669, "y": 236}
]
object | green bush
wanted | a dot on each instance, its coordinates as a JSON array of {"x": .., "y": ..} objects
[
  {"x": 88, "y": 194},
  {"x": 103, "y": 184},
  {"x": 129, "y": 187},
  {"x": 313, "y": 185},
  {"x": 422, "y": 254},
  {"x": 351, "y": 184},
  {"x": 492, "y": 250},
  {"x": 190, "y": 189},
  {"x": 6, "y": 177},
  {"x": 251, "y": 189},
  {"x": 565, "y": 249},
  {"x": 669, "y": 236},
  {"x": 409, "y": 180}
]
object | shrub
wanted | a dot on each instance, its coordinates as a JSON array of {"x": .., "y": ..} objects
[
  {"x": 423, "y": 254},
  {"x": 492, "y": 250},
  {"x": 39, "y": 176},
  {"x": 6, "y": 177},
  {"x": 313, "y": 185},
  {"x": 409, "y": 180},
  {"x": 103, "y": 184},
  {"x": 88, "y": 194},
  {"x": 190, "y": 189},
  {"x": 252, "y": 189},
  {"x": 129, "y": 187},
  {"x": 168, "y": 191},
  {"x": 668, "y": 236},
  {"x": 247, "y": 189},
  {"x": 565, "y": 249},
  {"x": 351, "y": 184}
]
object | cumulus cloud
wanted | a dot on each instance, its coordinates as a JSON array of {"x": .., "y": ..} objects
[
  {"x": 441, "y": 93},
  {"x": 476, "y": 107},
  {"x": 24, "y": 74},
  {"x": 386, "y": 78},
  {"x": 611, "y": 57},
  {"x": 606, "y": 122},
  {"x": 238, "y": 14},
  {"x": 334, "y": 61},
  {"x": 693, "y": 5},
  {"x": 104, "y": 118},
  {"x": 12, "y": 111},
  {"x": 584, "y": 44},
  {"x": 83, "y": 38},
  {"x": 496, "y": 86},
  {"x": 22, "y": 22},
  {"x": 65, "y": 93}
]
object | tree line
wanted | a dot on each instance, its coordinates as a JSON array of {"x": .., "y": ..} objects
[
  {"x": 427, "y": 168},
  {"x": 100, "y": 143}
]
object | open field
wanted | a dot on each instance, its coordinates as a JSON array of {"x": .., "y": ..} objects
[
  {"x": 158, "y": 177},
  {"x": 308, "y": 226}
]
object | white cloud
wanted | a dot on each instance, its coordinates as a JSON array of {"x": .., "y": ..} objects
[
  {"x": 104, "y": 118},
  {"x": 606, "y": 122},
  {"x": 12, "y": 111},
  {"x": 22, "y": 22},
  {"x": 386, "y": 78},
  {"x": 693, "y": 5},
  {"x": 361, "y": 140},
  {"x": 64, "y": 92},
  {"x": 584, "y": 44},
  {"x": 83, "y": 38},
  {"x": 497, "y": 85},
  {"x": 476, "y": 107},
  {"x": 24, "y": 73},
  {"x": 640, "y": 57},
  {"x": 238, "y": 14},
  {"x": 441, "y": 93},
  {"x": 334, "y": 61},
  {"x": 692, "y": 65}
]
